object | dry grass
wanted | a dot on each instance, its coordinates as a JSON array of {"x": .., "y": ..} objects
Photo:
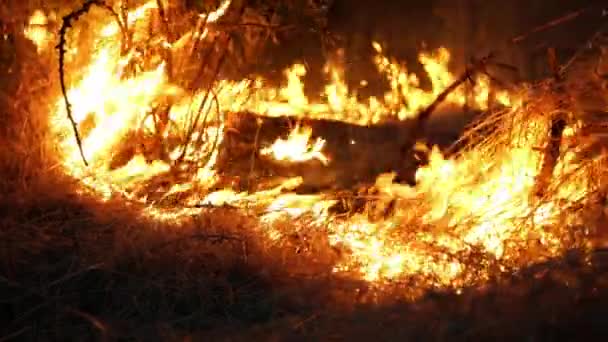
[{"x": 72, "y": 268}]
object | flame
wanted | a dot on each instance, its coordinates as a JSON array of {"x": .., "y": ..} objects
[
  {"x": 112, "y": 29},
  {"x": 218, "y": 13},
  {"x": 36, "y": 30},
  {"x": 125, "y": 107},
  {"x": 475, "y": 203},
  {"x": 297, "y": 147},
  {"x": 404, "y": 100}
]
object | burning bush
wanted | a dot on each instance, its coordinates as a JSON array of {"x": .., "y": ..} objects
[{"x": 159, "y": 123}]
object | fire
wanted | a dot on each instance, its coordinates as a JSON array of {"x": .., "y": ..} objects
[
  {"x": 218, "y": 13},
  {"x": 297, "y": 147},
  {"x": 36, "y": 30},
  {"x": 403, "y": 101},
  {"x": 477, "y": 202}
]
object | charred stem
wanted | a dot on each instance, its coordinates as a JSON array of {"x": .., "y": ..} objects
[
  {"x": 550, "y": 155},
  {"x": 556, "y": 130},
  {"x": 66, "y": 24},
  {"x": 424, "y": 116},
  {"x": 208, "y": 92}
]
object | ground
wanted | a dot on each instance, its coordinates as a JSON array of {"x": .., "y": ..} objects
[{"x": 68, "y": 274}]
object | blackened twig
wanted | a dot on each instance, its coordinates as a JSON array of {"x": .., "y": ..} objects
[
  {"x": 556, "y": 131},
  {"x": 550, "y": 155},
  {"x": 67, "y": 23}
]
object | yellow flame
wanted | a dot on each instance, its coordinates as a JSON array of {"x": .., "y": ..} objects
[
  {"x": 112, "y": 29},
  {"x": 36, "y": 30},
  {"x": 478, "y": 200},
  {"x": 214, "y": 16},
  {"x": 297, "y": 147},
  {"x": 404, "y": 100}
]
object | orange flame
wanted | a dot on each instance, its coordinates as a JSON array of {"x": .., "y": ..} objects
[
  {"x": 297, "y": 147},
  {"x": 36, "y": 30},
  {"x": 478, "y": 200}
]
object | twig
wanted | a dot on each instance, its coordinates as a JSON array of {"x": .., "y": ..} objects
[
  {"x": 168, "y": 55},
  {"x": 217, "y": 133},
  {"x": 555, "y": 22},
  {"x": 15, "y": 334},
  {"x": 254, "y": 152},
  {"x": 550, "y": 154},
  {"x": 215, "y": 75},
  {"x": 214, "y": 100},
  {"x": 556, "y": 130},
  {"x": 268, "y": 27},
  {"x": 194, "y": 124},
  {"x": 74, "y": 274},
  {"x": 424, "y": 115},
  {"x": 419, "y": 128},
  {"x": 48, "y": 300},
  {"x": 200, "y": 24},
  {"x": 99, "y": 325},
  {"x": 589, "y": 42},
  {"x": 480, "y": 65},
  {"x": 302, "y": 322}
]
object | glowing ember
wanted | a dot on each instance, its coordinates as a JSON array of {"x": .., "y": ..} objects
[{"x": 477, "y": 203}]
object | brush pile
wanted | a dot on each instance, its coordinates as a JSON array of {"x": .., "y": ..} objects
[
  {"x": 358, "y": 176},
  {"x": 337, "y": 187}
]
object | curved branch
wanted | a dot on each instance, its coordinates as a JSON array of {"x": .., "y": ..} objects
[{"x": 67, "y": 23}]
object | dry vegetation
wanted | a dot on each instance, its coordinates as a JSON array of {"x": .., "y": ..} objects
[{"x": 75, "y": 268}]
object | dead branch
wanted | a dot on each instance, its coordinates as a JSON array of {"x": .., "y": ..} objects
[
  {"x": 47, "y": 300},
  {"x": 12, "y": 336},
  {"x": 555, "y": 22},
  {"x": 193, "y": 85},
  {"x": 256, "y": 142},
  {"x": 215, "y": 75},
  {"x": 201, "y": 23},
  {"x": 480, "y": 65},
  {"x": 167, "y": 52},
  {"x": 217, "y": 133},
  {"x": 590, "y": 42},
  {"x": 66, "y": 24},
  {"x": 548, "y": 25},
  {"x": 550, "y": 154},
  {"x": 423, "y": 117},
  {"x": 418, "y": 130},
  {"x": 269, "y": 27},
  {"x": 95, "y": 322},
  {"x": 194, "y": 124}
]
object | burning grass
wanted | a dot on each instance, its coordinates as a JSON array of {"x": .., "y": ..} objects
[
  {"x": 153, "y": 195},
  {"x": 479, "y": 201}
]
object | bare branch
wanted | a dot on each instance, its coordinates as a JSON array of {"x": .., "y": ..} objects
[{"x": 67, "y": 23}]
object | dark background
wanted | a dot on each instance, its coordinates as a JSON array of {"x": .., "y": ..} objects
[{"x": 468, "y": 28}]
